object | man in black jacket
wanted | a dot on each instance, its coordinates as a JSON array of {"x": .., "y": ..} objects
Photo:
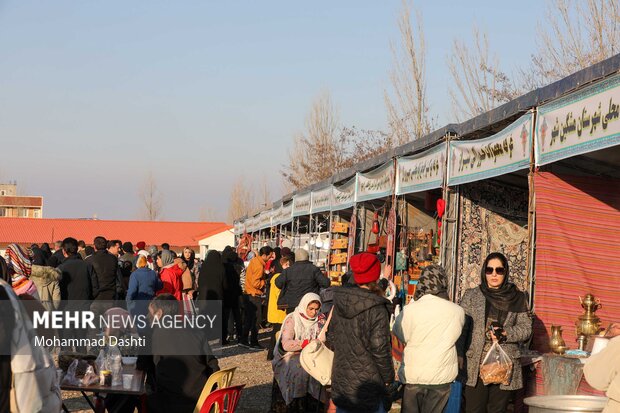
[
  {"x": 78, "y": 285},
  {"x": 79, "y": 280},
  {"x": 106, "y": 267},
  {"x": 300, "y": 278}
]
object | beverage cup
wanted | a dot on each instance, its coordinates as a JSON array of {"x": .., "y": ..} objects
[{"x": 127, "y": 381}]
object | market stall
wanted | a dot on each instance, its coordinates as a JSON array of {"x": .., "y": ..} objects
[
  {"x": 342, "y": 228},
  {"x": 577, "y": 219},
  {"x": 493, "y": 201},
  {"x": 419, "y": 179}
]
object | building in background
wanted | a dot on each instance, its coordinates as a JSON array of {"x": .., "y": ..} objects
[
  {"x": 15, "y": 206},
  {"x": 178, "y": 234}
]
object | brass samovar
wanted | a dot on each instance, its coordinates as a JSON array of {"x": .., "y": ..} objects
[{"x": 588, "y": 324}]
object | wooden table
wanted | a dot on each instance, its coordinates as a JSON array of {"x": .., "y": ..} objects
[{"x": 138, "y": 389}]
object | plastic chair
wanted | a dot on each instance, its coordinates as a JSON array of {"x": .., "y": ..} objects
[
  {"x": 221, "y": 379},
  {"x": 223, "y": 400}
]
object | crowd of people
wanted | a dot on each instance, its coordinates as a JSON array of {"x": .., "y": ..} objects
[{"x": 278, "y": 288}]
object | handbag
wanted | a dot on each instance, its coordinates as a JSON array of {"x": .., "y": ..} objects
[{"x": 316, "y": 359}]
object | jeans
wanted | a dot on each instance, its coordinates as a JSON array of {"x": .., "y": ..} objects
[
  {"x": 425, "y": 399},
  {"x": 379, "y": 410}
]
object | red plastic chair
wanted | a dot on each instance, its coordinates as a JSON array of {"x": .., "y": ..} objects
[{"x": 223, "y": 400}]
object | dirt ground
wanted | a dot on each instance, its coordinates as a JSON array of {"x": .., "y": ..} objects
[{"x": 253, "y": 370}]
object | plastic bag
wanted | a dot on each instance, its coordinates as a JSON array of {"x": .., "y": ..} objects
[
  {"x": 101, "y": 362},
  {"x": 90, "y": 377},
  {"x": 71, "y": 379},
  {"x": 496, "y": 367}
]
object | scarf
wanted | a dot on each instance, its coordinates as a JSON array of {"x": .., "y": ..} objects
[
  {"x": 506, "y": 298},
  {"x": 190, "y": 262},
  {"x": 432, "y": 281},
  {"x": 167, "y": 258},
  {"x": 305, "y": 328},
  {"x": 19, "y": 264}
]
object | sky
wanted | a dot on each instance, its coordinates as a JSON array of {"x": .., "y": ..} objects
[{"x": 96, "y": 95}]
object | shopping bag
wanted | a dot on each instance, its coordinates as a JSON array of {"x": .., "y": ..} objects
[
  {"x": 189, "y": 307},
  {"x": 317, "y": 360},
  {"x": 496, "y": 367}
]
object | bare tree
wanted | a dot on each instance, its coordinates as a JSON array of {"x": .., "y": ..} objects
[
  {"x": 318, "y": 152},
  {"x": 241, "y": 201},
  {"x": 574, "y": 35},
  {"x": 151, "y": 198},
  {"x": 209, "y": 214},
  {"x": 407, "y": 107},
  {"x": 479, "y": 84}
]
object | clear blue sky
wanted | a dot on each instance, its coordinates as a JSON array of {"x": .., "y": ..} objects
[{"x": 95, "y": 94}]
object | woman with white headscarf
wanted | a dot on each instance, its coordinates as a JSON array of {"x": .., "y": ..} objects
[{"x": 299, "y": 327}]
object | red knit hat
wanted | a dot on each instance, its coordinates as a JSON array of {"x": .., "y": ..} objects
[
  {"x": 141, "y": 245},
  {"x": 366, "y": 268}
]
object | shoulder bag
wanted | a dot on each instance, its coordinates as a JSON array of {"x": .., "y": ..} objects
[{"x": 317, "y": 359}]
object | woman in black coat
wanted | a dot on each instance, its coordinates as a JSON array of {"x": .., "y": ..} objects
[
  {"x": 211, "y": 280},
  {"x": 232, "y": 294},
  {"x": 359, "y": 334}
]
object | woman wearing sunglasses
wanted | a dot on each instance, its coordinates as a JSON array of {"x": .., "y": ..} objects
[{"x": 495, "y": 311}]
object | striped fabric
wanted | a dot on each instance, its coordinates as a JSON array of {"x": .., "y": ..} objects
[{"x": 577, "y": 252}]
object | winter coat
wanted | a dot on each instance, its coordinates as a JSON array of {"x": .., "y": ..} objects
[
  {"x": 299, "y": 279},
  {"x": 430, "y": 356},
  {"x": 143, "y": 284},
  {"x": 274, "y": 315},
  {"x": 46, "y": 280},
  {"x": 78, "y": 280},
  {"x": 359, "y": 334},
  {"x": 518, "y": 328},
  {"x": 255, "y": 277},
  {"x": 232, "y": 269},
  {"x": 171, "y": 279},
  {"x": 126, "y": 263},
  {"x": 106, "y": 267}
]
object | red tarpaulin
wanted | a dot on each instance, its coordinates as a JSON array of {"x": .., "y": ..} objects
[{"x": 577, "y": 252}]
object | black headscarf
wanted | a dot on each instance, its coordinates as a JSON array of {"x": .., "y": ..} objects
[
  {"x": 45, "y": 247},
  {"x": 211, "y": 279},
  {"x": 38, "y": 256},
  {"x": 507, "y": 297},
  {"x": 190, "y": 263}
]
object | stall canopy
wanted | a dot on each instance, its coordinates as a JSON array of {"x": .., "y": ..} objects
[
  {"x": 499, "y": 154},
  {"x": 581, "y": 122},
  {"x": 344, "y": 195},
  {"x": 286, "y": 213},
  {"x": 375, "y": 184},
  {"x": 301, "y": 204},
  {"x": 321, "y": 200},
  {"x": 421, "y": 172}
]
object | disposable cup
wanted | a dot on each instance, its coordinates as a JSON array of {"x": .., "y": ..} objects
[{"x": 127, "y": 381}]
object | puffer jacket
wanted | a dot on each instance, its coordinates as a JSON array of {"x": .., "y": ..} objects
[
  {"x": 46, "y": 280},
  {"x": 299, "y": 279},
  {"x": 359, "y": 334}
]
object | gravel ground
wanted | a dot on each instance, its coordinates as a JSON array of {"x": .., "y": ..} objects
[{"x": 253, "y": 370}]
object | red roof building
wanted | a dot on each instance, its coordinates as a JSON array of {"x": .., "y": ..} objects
[{"x": 27, "y": 231}]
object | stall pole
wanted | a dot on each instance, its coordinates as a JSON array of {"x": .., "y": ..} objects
[{"x": 531, "y": 221}]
